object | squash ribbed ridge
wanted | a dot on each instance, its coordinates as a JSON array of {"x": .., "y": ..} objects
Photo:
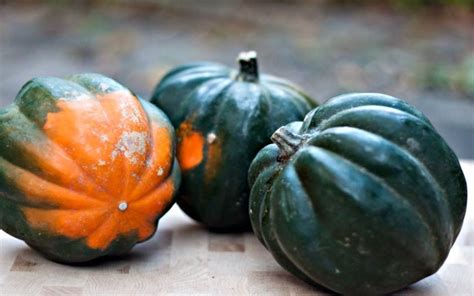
[
  {"x": 415, "y": 161},
  {"x": 280, "y": 245},
  {"x": 326, "y": 124},
  {"x": 32, "y": 205},
  {"x": 65, "y": 153},
  {"x": 391, "y": 189}
]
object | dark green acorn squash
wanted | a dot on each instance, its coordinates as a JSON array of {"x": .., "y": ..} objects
[
  {"x": 363, "y": 197},
  {"x": 223, "y": 118},
  {"x": 86, "y": 168}
]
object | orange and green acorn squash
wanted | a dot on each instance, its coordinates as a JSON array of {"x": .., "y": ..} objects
[
  {"x": 86, "y": 167},
  {"x": 223, "y": 118},
  {"x": 364, "y": 197}
]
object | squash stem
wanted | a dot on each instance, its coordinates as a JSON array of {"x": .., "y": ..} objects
[
  {"x": 287, "y": 141},
  {"x": 248, "y": 66}
]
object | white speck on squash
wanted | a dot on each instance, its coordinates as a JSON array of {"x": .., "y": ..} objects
[
  {"x": 413, "y": 144},
  {"x": 104, "y": 138},
  {"x": 103, "y": 87},
  {"x": 211, "y": 137},
  {"x": 160, "y": 171}
]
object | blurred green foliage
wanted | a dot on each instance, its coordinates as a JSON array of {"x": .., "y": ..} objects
[
  {"x": 411, "y": 3},
  {"x": 458, "y": 77},
  {"x": 420, "y": 3}
]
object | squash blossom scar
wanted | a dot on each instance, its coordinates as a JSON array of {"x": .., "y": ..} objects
[{"x": 123, "y": 206}]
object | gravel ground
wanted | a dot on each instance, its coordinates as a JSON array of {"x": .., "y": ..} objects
[{"x": 425, "y": 56}]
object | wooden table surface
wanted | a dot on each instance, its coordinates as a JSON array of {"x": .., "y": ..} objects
[{"x": 183, "y": 258}]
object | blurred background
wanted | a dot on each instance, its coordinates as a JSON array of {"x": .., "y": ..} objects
[{"x": 418, "y": 50}]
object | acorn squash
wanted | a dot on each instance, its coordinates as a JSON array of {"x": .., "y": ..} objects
[
  {"x": 364, "y": 197},
  {"x": 223, "y": 118},
  {"x": 86, "y": 168}
]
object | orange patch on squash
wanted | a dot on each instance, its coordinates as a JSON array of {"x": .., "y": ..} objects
[
  {"x": 190, "y": 147},
  {"x": 108, "y": 171}
]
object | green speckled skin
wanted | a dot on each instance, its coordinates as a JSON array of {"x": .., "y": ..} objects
[
  {"x": 371, "y": 202},
  {"x": 242, "y": 115},
  {"x": 23, "y": 143}
]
